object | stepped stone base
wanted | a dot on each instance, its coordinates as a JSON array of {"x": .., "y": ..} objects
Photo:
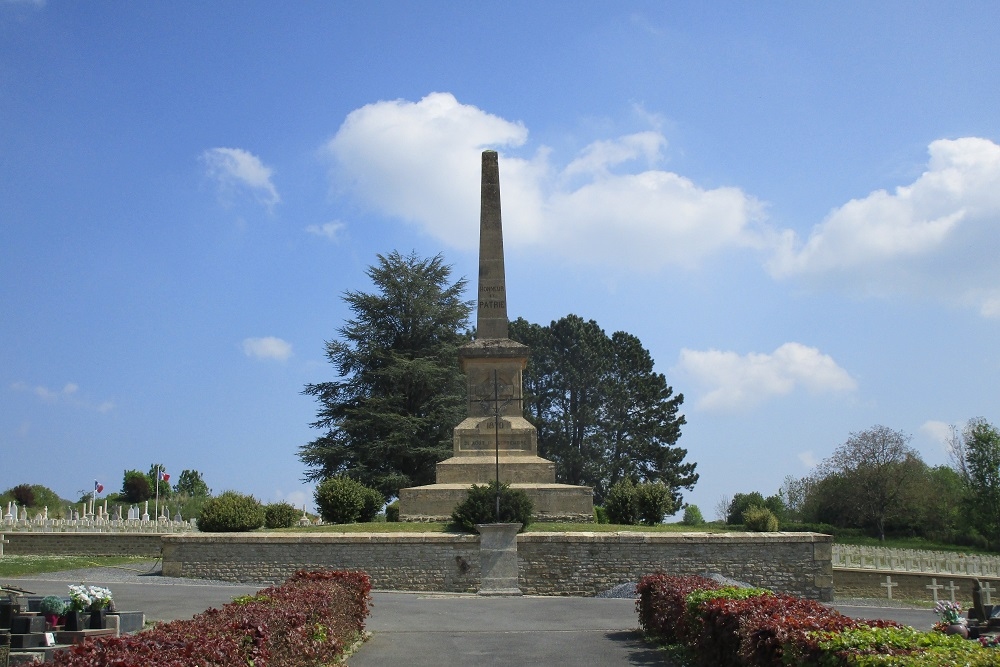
[
  {"x": 552, "y": 502},
  {"x": 469, "y": 470}
]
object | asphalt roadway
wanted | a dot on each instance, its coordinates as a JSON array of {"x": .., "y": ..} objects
[{"x": 417, "y": 629}]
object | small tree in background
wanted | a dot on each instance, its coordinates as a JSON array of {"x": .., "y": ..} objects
[
  {"x": 620, "y": 503},
  {"x": 280, "y": 515},
  {"x": 692, "y": 516},
  {"x": 156, "y": 484},
  {"x": 136, "y": 487},
  {"x": 190, "y": 483},
  {"x": 654, "y": 500},
  {"x": 23, "y": 495}
]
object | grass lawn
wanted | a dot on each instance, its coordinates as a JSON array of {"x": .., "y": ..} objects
[{"x": 15, "y": 566}]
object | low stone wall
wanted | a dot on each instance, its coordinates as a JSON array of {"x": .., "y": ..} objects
[
  {"x": 394, "y": 561},
  {"x": 82, "y": 544},
  {"x": 549, "y": 563},
  {"x": 910, "y": 586},
  {"x": 587, "y": 563}
]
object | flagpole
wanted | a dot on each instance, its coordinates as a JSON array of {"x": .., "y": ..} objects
[{"x": 156, "y": 510}]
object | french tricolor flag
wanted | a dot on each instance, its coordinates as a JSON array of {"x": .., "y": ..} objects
[
  {"x": 98, "y": 487},
  {"x": 164, "y": 476}
]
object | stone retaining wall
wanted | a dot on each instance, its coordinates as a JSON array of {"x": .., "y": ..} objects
[
  {"x": 910, "y": 586},
  {"x": 83, "y": 544},
  {"x": 549, "y": 563},
  {"x": 587, "y": 563},
  {"x": 394, "y": 561}
]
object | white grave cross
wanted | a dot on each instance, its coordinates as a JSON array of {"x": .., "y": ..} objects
[
  {"x": 934, "y": 587},
  {"x": 888, "y": 585},
  {"x": 3, "y": 541},
  {"x": 951, "y": 588},
  {"x": 986, "y": 589}
]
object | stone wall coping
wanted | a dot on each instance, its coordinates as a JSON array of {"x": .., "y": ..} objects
[
  {"x": 321, "y": 538},
  {"x": 636, "y": 537},
  {"x": 624, "y": 537}
]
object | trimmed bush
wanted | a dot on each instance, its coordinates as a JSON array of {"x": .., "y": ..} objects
[
  {"x": 344, "y": 500},
  {"x": 600, "y": 514},
  {"x": 308, "y": 621},
  {"x": 392, "y": 511},
  {"x": 231, "y": 512},
  {"x": 621, "y": 503},
  {"x": 280, "y": 515},
  {"x": 760, "y": 520},
  {"x": 480, "y": 507},
  {"x": 745, "y": 626},
  {"x": 692, "y": 516},
  {"x": 653, "y": 501}
]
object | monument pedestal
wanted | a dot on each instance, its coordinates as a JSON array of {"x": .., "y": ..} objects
[{"x": 498, "y": 558}]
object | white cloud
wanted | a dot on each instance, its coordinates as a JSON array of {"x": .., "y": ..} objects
[
  {"x": 808, "y": 459},
  {"x": 420, "y": 161},
  {"x": 329, "y": 230},
  {"x": 268, "y": 347},
  {"x": 938, "y": 431},
  {"x": 68, "y": 394},
  {"x": 236, "y": 169},
  {"x": 935, "y": 236},
  {"x": 734, "y": 382}
]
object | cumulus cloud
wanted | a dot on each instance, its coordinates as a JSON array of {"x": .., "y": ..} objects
[
  {"x": 67, "y": 394},
  {"x": 936, "y": 236},
  {"x": 267, "y": 347},
  {"x": 420, "y": 161},
  {"x": 328, "y": 230},
  {"x": 734, "y": 382},
  {"x": 237, "y": 170},
  {"x": 808, "y": 459}
]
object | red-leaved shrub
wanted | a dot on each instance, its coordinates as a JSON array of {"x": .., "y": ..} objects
[
  {"x": 661, "y": 604},
  {"x": 306, "y": 622}
]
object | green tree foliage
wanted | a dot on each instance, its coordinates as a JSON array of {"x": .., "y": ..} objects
[
  {"x": 156, "y": 484},
  {"x": 341, "y": 499},
  {"x": 231, "y": 512},
  {"x": 981, "y": 444},
  {"x": 389, "y": 418},
  {"x": 480, "y": 506},
  {"x": 692, "y": 516},
  {"x": 876, "y": 465},
  {"x": 759, "y": 519},
  {"x": 603, "y": 415},
  {"x": 740, "y": 503},
  {"x": 280, "y": 515},
  {"x": 136, "y": 487},
  {"x": 23, "y": 495},
  {"x": 648, "y": 502},
  {"x": 190, "y": 483}
]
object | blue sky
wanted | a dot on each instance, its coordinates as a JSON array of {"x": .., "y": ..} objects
[{"x": 795, "y": 206}]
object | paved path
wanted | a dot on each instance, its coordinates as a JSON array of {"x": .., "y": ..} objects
[{"x": 415, "y": 629}]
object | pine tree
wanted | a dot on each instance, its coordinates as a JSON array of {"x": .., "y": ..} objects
[{"x": 389, "y": 418}]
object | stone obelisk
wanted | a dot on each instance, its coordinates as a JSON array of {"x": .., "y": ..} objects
[
  {"x": 491, "y": 310},
  {"x": 494, "y": 438}
]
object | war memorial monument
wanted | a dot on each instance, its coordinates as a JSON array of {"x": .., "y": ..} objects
[{"x": 494, "y": 440}]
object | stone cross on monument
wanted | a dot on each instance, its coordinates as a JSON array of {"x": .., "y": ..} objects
[{"x": 494, "y": 440}]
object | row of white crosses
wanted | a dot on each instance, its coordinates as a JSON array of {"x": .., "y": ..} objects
[{"x": 934, "y": 587}]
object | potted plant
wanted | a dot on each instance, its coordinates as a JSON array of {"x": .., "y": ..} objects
[
  {"x": 79, "y": 600},
  {"x": 52, "y": 607},
  {"x": 100, "y": 602},
  {"x": 952, "y": 622}
]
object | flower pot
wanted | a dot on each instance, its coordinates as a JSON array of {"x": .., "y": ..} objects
[
  {"x": 98, "y": 619},
  {"x": 957, "y": 629},
  {"x": 73, "y": 622}
]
